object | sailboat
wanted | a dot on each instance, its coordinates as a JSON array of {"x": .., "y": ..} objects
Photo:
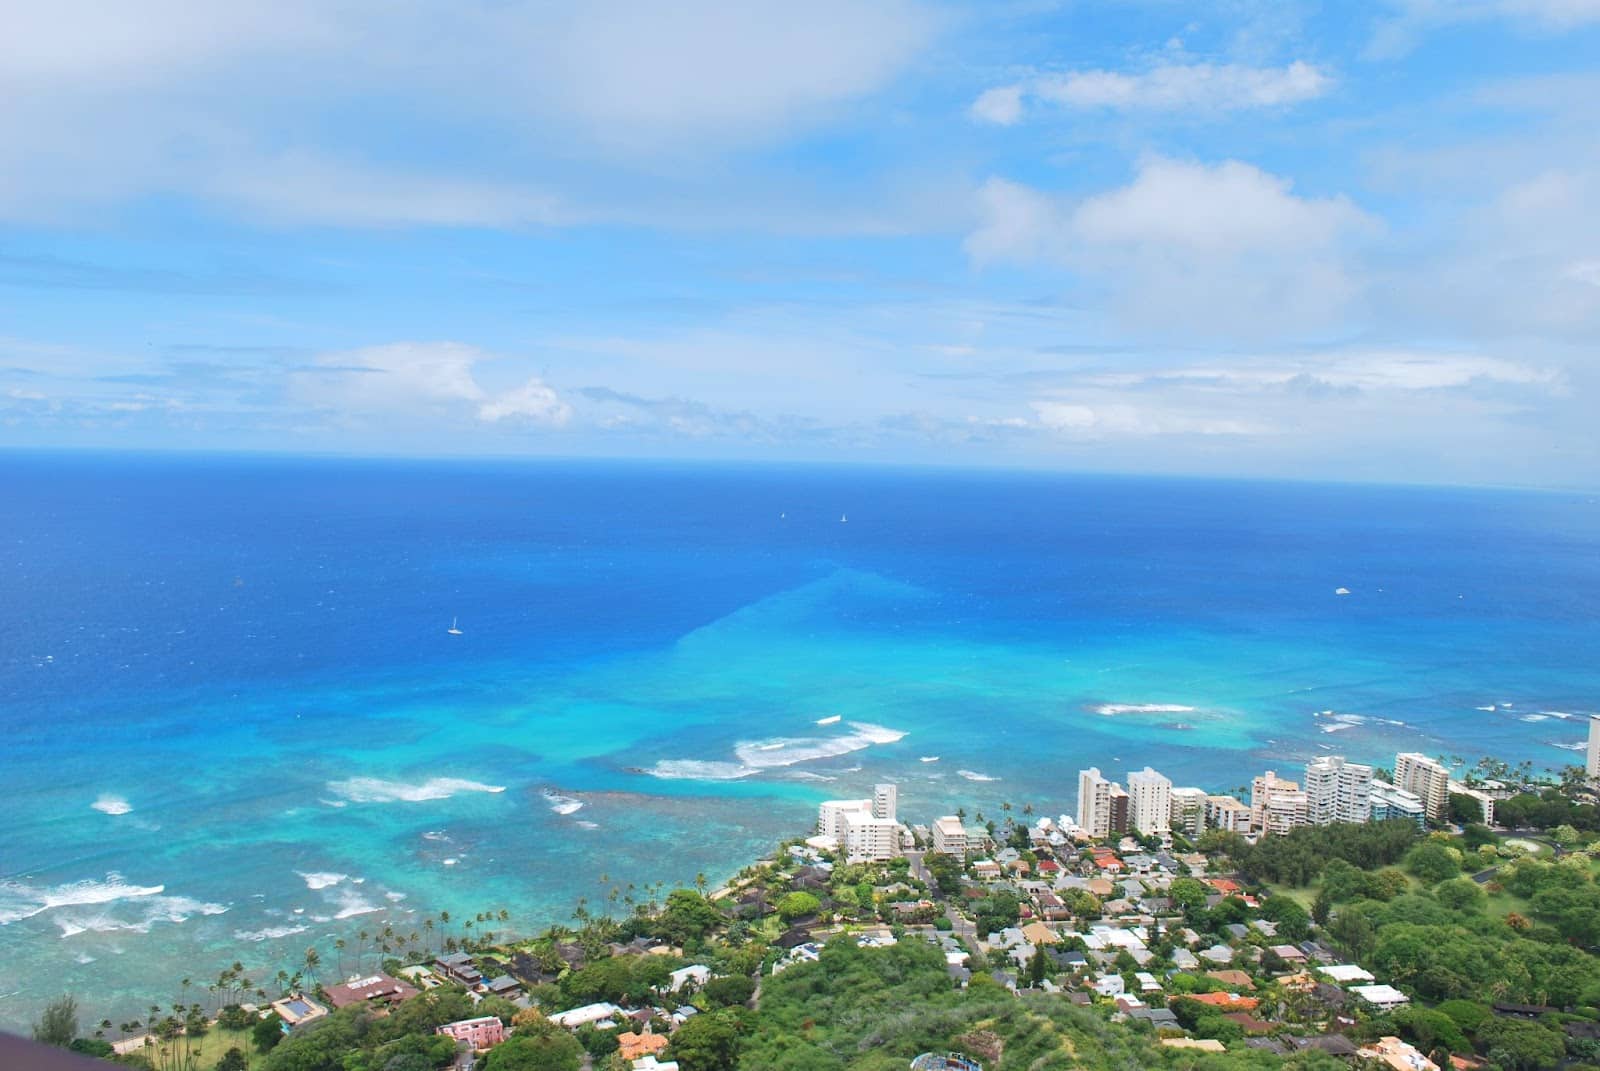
[
  {"x": 453, "y": 630},
  {"x": 843, "y": 519}
]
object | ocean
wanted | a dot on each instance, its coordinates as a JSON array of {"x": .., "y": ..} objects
[{"x": 235, "y": 725}]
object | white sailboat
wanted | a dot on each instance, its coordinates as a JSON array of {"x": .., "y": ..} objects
[
  {"x": 843, "y": 519},
  {"x": 453, "y": 630}
]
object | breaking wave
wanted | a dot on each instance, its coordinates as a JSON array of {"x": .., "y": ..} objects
[
  {"x": 377, "y": 790},
  {"x": 270, "y": 933},
  {"x": 973, "y": 775},
  {"x": 108, "y": 804},
  {"x": 1113, "y": 709},
  {"x": 19, "y": 901},
  {"x": 562, "y": 804}
]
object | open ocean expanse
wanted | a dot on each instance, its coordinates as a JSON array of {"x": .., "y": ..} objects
[{"x": 234, "y": 724}]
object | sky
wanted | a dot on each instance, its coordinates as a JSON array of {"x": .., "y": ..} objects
[{"x": 1286, "y": 239}]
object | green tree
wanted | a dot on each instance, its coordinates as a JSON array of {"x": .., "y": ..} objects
[
  {"x": 797, "y": 904},
  {"x": 233, "y": 1060},
  {"x": 1460, "y": 894},
  {"x": 1517, "y": 1045},
  {"x": 266, "y": 1034},
  {"x": 1433, "y": 862},
  {"x": 548, "y": 1051},
  {"x": 59, "y": 1024},
  {"x": 707, "y": 1042}
]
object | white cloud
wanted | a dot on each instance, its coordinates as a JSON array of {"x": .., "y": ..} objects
[
  {"x": 1195, "y": 87},
  {"x": 1224, "y": 247},
  {"x": 1002, "y": 105},
  {"x": 1398, "y": 34},
  {"x": 420, "y": 379},
  {"x": 533, "y": 401},
  {"x": 1120, "y": 419},
  {"x": 232, "y": 101}
]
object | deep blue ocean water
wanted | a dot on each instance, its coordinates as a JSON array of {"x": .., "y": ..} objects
[{"x": 235, "y": 726}]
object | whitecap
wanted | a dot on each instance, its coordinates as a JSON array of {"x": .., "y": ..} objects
[
  {"x": 830, "y": 720},
  {"x": 1533, "y": 717},
  {"x": 1113, "y": 709},
  {"x": 436, "y": 834},
  {"x": 352, "y": 903},
  {"x": 562, "y": 804},
  {"x": 269, "y": 933},
  {"x": 1579, "y": 746},
  {"x": 377, "y": 790},
  {"x": 973, "y": 775},
  {"x": 322, "y": 879},
  {"x": 1489, "y": 709},
  {"x": 394, "y": 897},
  {"x": 108, "y": 804},
  {"x": 699, "y": 770},
  {"x": 929, "y": 758},
  {"x": 173, "y": 909},
  {"x": 84, "y": 958},
  {"x": 19, "y": 901},
  {"x": 583, "y": 823},
  {"x": 1341, "y": 591},
  {"x": 449, "y": 862},
  {"x": 787, "y": 751}
]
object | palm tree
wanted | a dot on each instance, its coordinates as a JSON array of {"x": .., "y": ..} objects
[
  {"x": 427, "y": 928},
  {"x": 339, "y": 946},
  {"x": 312, "y": 959},
  {"x": 700, "y": 883}
]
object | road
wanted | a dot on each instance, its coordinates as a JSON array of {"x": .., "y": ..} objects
[{"x": 962, "y": 929}]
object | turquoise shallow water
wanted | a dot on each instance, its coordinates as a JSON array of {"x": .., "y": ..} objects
[{"x": 235, "y": 726}]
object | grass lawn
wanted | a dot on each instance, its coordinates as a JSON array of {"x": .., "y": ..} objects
[
  {"x": 211, "y": 1046},
  {"x": 1305, "y": 894}
]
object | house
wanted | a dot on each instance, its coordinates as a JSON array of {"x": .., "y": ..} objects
[
  {"x": 503, "y": 986},
  {"x": 696, "y": 975},
  {"x": 1217, "y": 954},
  {"x": 1184, "y": 960},
  {"x": 1237, "y": 979},
  {"x": 1109, "y": 985},
  {"x": 1226, "y": 1001},
  {"x": 379, "y": 989},
  {"x": 634, "y": 1046},
  {"x": 1037, "y": 933},
  {"x": 459, "y": 967},
  {"x": 1147, "y": 982},
  {"x": 1160, "y": 1018},
  {"x": 650, "y": 1063},
  {"x": 1249, "y": 1023},
  {"x": 484, "y": 1032},
  {"x": 1345, "y": 973},
  {"x": 1383, "y": 997},
  {"x": 1332, "y": 1044},
  {"x": 1399, "y": 1055},
  {"x": 595, "y": 1014},
  {"x": 1290, "y": 954}
]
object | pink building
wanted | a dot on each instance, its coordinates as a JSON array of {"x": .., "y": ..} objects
[{"x": 484, "y": 1033}]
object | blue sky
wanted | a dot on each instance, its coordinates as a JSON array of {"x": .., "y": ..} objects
[{"x": 1343, "y": 240}]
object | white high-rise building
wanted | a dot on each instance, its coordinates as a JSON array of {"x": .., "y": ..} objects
[
  {"x": 950, "y": 836},
  {"x": 885, "y": 799},
  {"x": 1417, "y": 773},
  {"x": 1276, "y": 804},
  {"x": 868, "y": 838},
  {"x": 1188, "y": 811},
  {"x": 1094, "y": 803},
  {"x": 1149, "y": 802},
  {"x": 833, "y": 817},
  {"x": 1337, "y": 791},
  {"x": 1592, "y": 766},
  {"x": 1390, "y": 802},
  {"x": 1226, "y": 812}
]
